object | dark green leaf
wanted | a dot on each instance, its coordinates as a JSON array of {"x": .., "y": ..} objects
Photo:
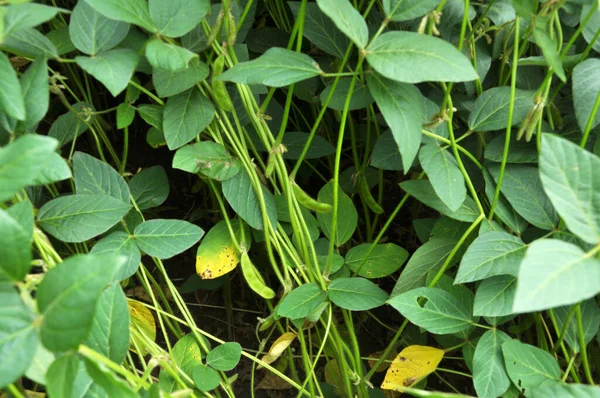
[
  {"x": 491, "y": 109},
  {"x": 152, "y": 114},
  {"x": 347, "y": 19},
  {"x": 107, "y": 380},
  {"x": 166, "y": 238},
  {"x": 26, "y": 15},
  {"x": 11, "y": 96},
  {"x": 224, "y": 357},
  {"x": 62, "y": 375},
  {"x": 294, "y": 143},
  {"x": 561, "y": 390},
  {"x": 169, "y": 82},
  {"x": 386, "y": 155},
  {"x": 356, "y": 294},
  {"x": 175, "y": 18},
  {"x": 384, "y": 260},
  {"x": 590, "y": 29},
  {"x": 405, "y": 10},
  {"x": 590, "y": 321},
  {"x": 29, "y": 43},
  {"x": 208, "y": 158},
  {"x": 186, "y": 115},
  {"x": 93, "y": 176},
  {"x": 301, "y": 301},
  {"x": 150, "y": 187},
  {"x": 586, "y": 88},
  {"x": 15, "y": 250},
  {"x": 347, "y": 219},
  {"x": 495, "y": 296},
  {"x": 113, "y": 68},
  {"x": 125, "y": 115},
  {"x": 71, "y": 125},
  {"x": 206, "y": 378},
  {"x": 529, "y": 366},
  {"x": 168, "y": 56},
  {"x": 132, "y": 11},
  {"x": 444, "y": 175},
  {"x": 361, "y": 97},
  {"x": 34, "y": 86},
  {"x": 120, "y": 243},
  {"x": 489, "y": 376},
  {"x": 548, "y": 45},
  {"x": 519, "y": 151},
  {"x": 22, "y": 212}
]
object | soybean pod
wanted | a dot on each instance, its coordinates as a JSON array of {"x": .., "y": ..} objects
[
  {"x": 365, "y": 194},
  {"x": 305, "y": 200},
  {"x": 254, "y": 279},
  {"x": 220, "y": 94}
]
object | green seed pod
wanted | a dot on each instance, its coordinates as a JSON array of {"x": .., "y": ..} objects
[
  {"x": 365, "y": 195},
  {"x": 254, "y": 279},
  {"x": 220, "y": 94},
  {"x": 311, "y": 204},
  {"x": 216, "y": 30},
  {"x": 267, "y": 323}
]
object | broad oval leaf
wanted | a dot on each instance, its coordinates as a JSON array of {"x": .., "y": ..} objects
[
  {"x": 555, "y": 273},
  {"x": 277, "y": 67},
  {"x": 402, "y": 110},
  {"x": 29, "y": 43},
  {"x": 150, "y": 187},
  {"x": 18, "y": 16},
  {"x": 186, "y": 115},
  {"x": 301, "y": 301},
  {"x": 18, "y": 339},
  {"x": 242, "y": 198},
  {"x": 109, "y": 334},
  {"x": 384, "y": 260},
  {"x": 361, "y": 97},
  {"x": 132, "y": 11},
  {"x": 347, "y": 19},
  {"x": 11, "y": 97},
  {"x": 107, "y": 380},
  {"x": 561, "y": 390},
  {"x": 405, "y": 10},
  {"x": 206, "y": 378},
  {"x": 295, "y": 141},
  {"x": 167, "y": 56},
  {"x": 436, "y": 310},
  {"x": 495, "y": 296},
  {"x": 586, "y": 88},
  {"x": 347, "y": 219},
  {"x": 445, "y": 176},
  {"x": 489, "y": 376},
  {"x": 92, "y": 32},
  {"x": 414, "y": 58},
  {"x": 216, "y": 254},
  {"x": 166, "y": 238},
  {"x": 70, "y": 125},
  {"x": 491, "y": 109},
  {"x": 529, "y": 366},
  {"x": 15, "y": 250},
  {"x": 77, "y": 218},
  {"x": 356, "y": 294},
  {"x": 169, "y": 82},
  {"x": 492, "y": 253},
  {"x": 112, "y": 68},
  {"x": 410, "y": 366},
  {"x": 93, "y": 176},
  {"x": 68, "y": 295},
  {"x": 34, "y": 86},
  {"x": 208, "y": 158},
  {"x": 570, "y": 178},
  {"x": 122, "y": 244},
  {"x": 224, "y": 357},
  {"x": 175, "y": 18}
]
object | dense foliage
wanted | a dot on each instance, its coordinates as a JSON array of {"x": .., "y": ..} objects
[{"x": 402, "y": 191}]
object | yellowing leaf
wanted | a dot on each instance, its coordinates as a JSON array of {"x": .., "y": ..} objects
[
  {"x": 278, "y": 347},
  {"x": 142, "y": 321},
  {"x": 411, "y": 365},
  {"x": 216, "y": 254}
]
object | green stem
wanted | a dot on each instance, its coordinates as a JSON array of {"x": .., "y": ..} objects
[{"x": 583, "y": 347}]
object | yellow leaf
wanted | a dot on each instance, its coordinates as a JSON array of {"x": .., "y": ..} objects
[
  {"x": 411, "y": 365},
  {"x": 278, "y": 347},
  {"x": 142, "y": 321},
  {"x": 216, "y": 254}
]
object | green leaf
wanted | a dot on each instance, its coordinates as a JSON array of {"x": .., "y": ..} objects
[
  {"x": 586, "y": 88},
  {"x": 504, "y": 210},
  {"x": 590, "y": 29},
  {"x": 361, "y": 97},
  {"x": 121, "y": 244},
  {"x": 528, "y": 366},
  {"x": 186, "y": 115},
  {"x": 426, "y": 259},
  {"x": 242, "y": 198},
  {"x": 150, "y": 187},
  {"x": 489, "y": 376},
  {"x": 493, "y": 253},
  {"x": 166, "y": 238},
  {"x": 384, "y": 260},
  {"x": 570, "y": 181},
  {"x": 491, "y": 109},
  {"x": 29, "y": 43},
  {"x": 177, "y": 17},
  {"x": 20, "y": 163},
  {"x": 168, "y": 56},
  {"x": 206, "y": 378},
  {"x": 277, "y": 67},
  {"x": 295, "y": 141},
  {"x": 356, "y": 294},
  {"x": 15, "y": 250},
  {"x": 93, "y": 176},
  {"x": 132, "y": 11},
  {"x": 34, "y": 87},
  {"x": 548, "y": 45},
  {"x": 188, "y": 354},
  {"x": 77, "y": 218},
  {"x": 92, "y": 32},
  {"x": 414, "y": 58},
  {"x": 60, "y": 40},
  {"x": 441, "y": 313},
  {"x": 445, "y": 176},
  {"x": 347, "y": 19},
  {"x": 386, "y": 153},
  {"x": 555, "y": 273},
  {"x": 405, "y": 10},
  {"x": 560, "y": 390},
  {"x": 125, "y": 115},
  {"x": 208, "y": 158},
  {"x": 62, "y": 375},
  {"x": 320, "y": 30},
  {"x": 18, "y": 339},
  {"x": 107, "y": 380},
  {"x": 402, "y": 110},
  {"x": 495, "y": 296},
  {"x": 22, "y": 213},
  {"x": 301, "y": 301},
  {"x": 113, "y": 68},
  {"x": 424, "y": 192},
  {"x": 224, "y": 357},
  {"x": 109, "y": 334},
  {"x": 520, "y": 151},
  {"x": 524, "y": 8},
  {"x": 38, "y": 368},
  {"x": 590, "y": 320},
  {"x": 11, "y": 95},
  {"x": 152, "y": 114},
  {"x": 347, "y": 219},
  {"x": 71, "y": 125},
  {"x": 168, "y": 82},
  {"x": 54, "y": 169},
  {"x": 26, "y": 15},
  {"x": 68, "y": 295},
  {"x": 523, "y": 189}
]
